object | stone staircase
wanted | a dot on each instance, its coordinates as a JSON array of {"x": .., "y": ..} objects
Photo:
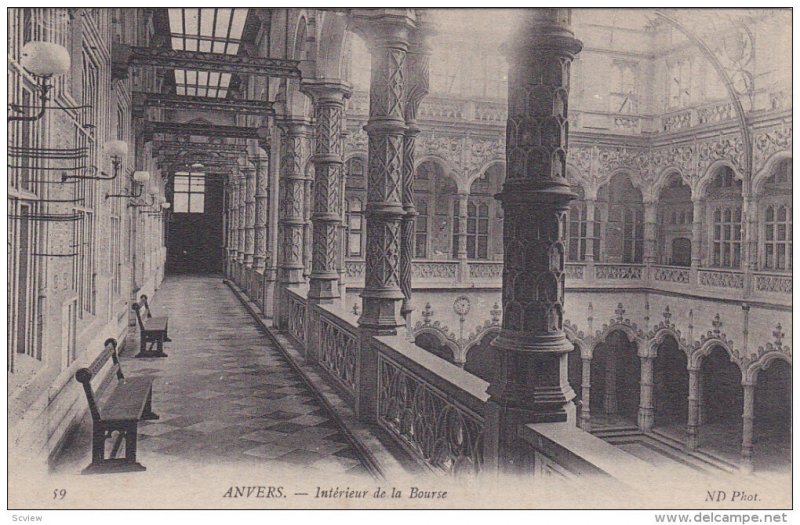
[{"x": 666, "y": 446}]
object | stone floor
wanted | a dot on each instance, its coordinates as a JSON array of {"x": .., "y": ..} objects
[{"x": 225, "y": 394}]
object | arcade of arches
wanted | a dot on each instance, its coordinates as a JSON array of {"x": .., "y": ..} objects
[{"x": 398, "y": 215}]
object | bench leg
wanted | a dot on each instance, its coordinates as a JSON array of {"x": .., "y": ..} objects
[
  {"x": 148, "y": 414},
  {"x": 98, "y": 445},
  {"x": 101, "y": 465},
  {"x": 142, "y": 346},
  {"x": 160, "y": 346}
]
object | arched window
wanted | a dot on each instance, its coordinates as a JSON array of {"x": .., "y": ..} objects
[
  {"x": 355, "y": 227},
  {"x": 578, "y": 231},
  {"x": 620, "y": 202},
  {"x": 725, "y": 206},
  {"x": 421, "y": 230},
  {"x": 674, "y": 223},
  {"x": 776, "y": 206}
]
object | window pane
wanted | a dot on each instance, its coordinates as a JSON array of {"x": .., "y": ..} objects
[
  {"x": 181, "y": 202},
  {"x": 355, "y": 222},
  {"x": 354, "y": 244},
  {"x": 196, "y": 203}
]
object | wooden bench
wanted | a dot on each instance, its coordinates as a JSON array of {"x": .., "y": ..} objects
[
  {"x": 152, "y": 330},
  {"x": 129, "y": 402}
]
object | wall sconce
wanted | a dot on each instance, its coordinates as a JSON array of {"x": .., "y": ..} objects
[
  {"x": 152, "y": 191},
  {"x": 139, "y": 177},
  {"x": 43, "y": 60},
  {"x": 117, "y": 150}
]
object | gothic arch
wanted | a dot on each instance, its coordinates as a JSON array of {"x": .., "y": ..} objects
[
  {"x": 575, "y": 337},
  {"x": 655, "y": 340},
  {"x": 633, "y": 334},
  {"x": 663, "y": 178},
  {"x": 329, "y": 61},
  {"x": 442, "y": 338},
  {"x": 703, "y": 349},
  {"x": 574, "y": 176},
  {"x": 478, "y": 338},
  {"x": 763, "y": 362},
  {"x": 764, "y": 173},
  {"x": 480, "y": 172},
  {"x": 448, "y": 170},
  {"x": 699, "y": 191}
]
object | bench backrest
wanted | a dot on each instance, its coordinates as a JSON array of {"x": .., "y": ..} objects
[
  {"x": 85, "y": 375},
  {"x": 140, "y": 305}
]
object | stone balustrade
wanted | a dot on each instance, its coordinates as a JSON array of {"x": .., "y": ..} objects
[{"x": 709, "y": 282}]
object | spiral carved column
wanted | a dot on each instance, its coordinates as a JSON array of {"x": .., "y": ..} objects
[
  {"x": 418, "y": 79},
  {"x": 531, "y": 383},
  {"x": 326, "y": 216},
  {"x": 294, "y": 155},
  {"x": 382, "y": 297}
]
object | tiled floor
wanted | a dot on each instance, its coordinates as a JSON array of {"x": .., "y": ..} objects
[{"x": 225, "y": 394}]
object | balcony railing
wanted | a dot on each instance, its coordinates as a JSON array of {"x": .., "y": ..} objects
[
  {"x": 297, "y": 315},
  {"x": 338, "y": 347},
  {"x": 432, "y": 408},
  {"x": 708, "y": 281}
]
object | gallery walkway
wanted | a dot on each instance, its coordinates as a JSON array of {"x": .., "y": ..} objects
[{"x": 225, "y": 394}]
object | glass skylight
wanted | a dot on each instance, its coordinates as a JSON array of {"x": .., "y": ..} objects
[{"x": 208, "y": 30}]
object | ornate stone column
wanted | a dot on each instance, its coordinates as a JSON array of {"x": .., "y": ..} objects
[
  {"x": 646, "y": 411},
  {"x": 461, "y": 249},
  {"x": 418, "y": 81},
  {"x": 308, "y": 237},
  {"x": 327, "y": 213},
  {"x": 650, "y": 248},
  {"x": 241, "y": 224},
  {"x": 749, "y": 241},
  {"x": 531, "y": 384},
  {"x": 586, "y": 392},
  {"x": 588, "y": 255},
  {"x": 698, "y": 223},
  {"x": 249, "y": 227},
  {"x": 747, "y": 426},
  {"x": 295, "y": 146},
  {"x": 260, "y": 211},
  {"x": 694, "y": 409},
  {"x": 230, "y": 232},
  {"x": 326, "y": 216},
  {"x": 382, "y": 297}
]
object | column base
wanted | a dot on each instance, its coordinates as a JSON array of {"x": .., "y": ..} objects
[
  {"x": 381, "y": 315},
  {"x": 646, "y": 419}
]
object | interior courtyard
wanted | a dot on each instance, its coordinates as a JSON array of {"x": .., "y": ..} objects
[{"x": 401, "y": 241}]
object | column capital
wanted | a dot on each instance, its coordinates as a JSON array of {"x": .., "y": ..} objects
[
  {"x": 330, "y": 91},
  {"x": 385, "y": 27},
  {"x": 295, "y": 126}
]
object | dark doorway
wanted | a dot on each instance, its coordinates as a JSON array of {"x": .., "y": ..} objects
[
  {"x": 681, "y": 252},
  {"x": 671, "y": 379},
  {"x": 482, "y": 359},
  {"x": 722, "y": 389},
  {"x": 615, "y": 375},
  {"x": 194, "y": 238}
]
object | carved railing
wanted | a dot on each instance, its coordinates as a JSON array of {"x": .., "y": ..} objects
[
  {"x": 432, "y": 408},
  {"x": 625, "y": 272},
  {"x": 574, "y": 271},
  {"x": 296, "y": 322},
  {"x": 486, "y": 270},
  {"x": 491, "y": 111},
  {"x": 434, "y": 270},
  {"x": 442, "y": 108},
  {"x": 715, "y": 113},
  {"x": 338, "y": 346},
  {"x": 721, "y": 278},
  {"x": 773, "y": 282},
  {"x": 354, "y": 269},
  {"x": 676, "y": 121},
  {"x": 671, "y": 274}
]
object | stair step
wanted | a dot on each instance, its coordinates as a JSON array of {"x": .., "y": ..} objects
[{"x": 704, "y": 457}]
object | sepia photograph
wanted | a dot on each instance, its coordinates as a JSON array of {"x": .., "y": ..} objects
[{"x": 400, "y": 258}]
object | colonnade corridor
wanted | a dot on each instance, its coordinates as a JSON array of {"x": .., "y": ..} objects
[{"x": 224, "y": 395}]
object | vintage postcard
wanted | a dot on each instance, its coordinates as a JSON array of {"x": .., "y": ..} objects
[{"x": 400, "y": 258}]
